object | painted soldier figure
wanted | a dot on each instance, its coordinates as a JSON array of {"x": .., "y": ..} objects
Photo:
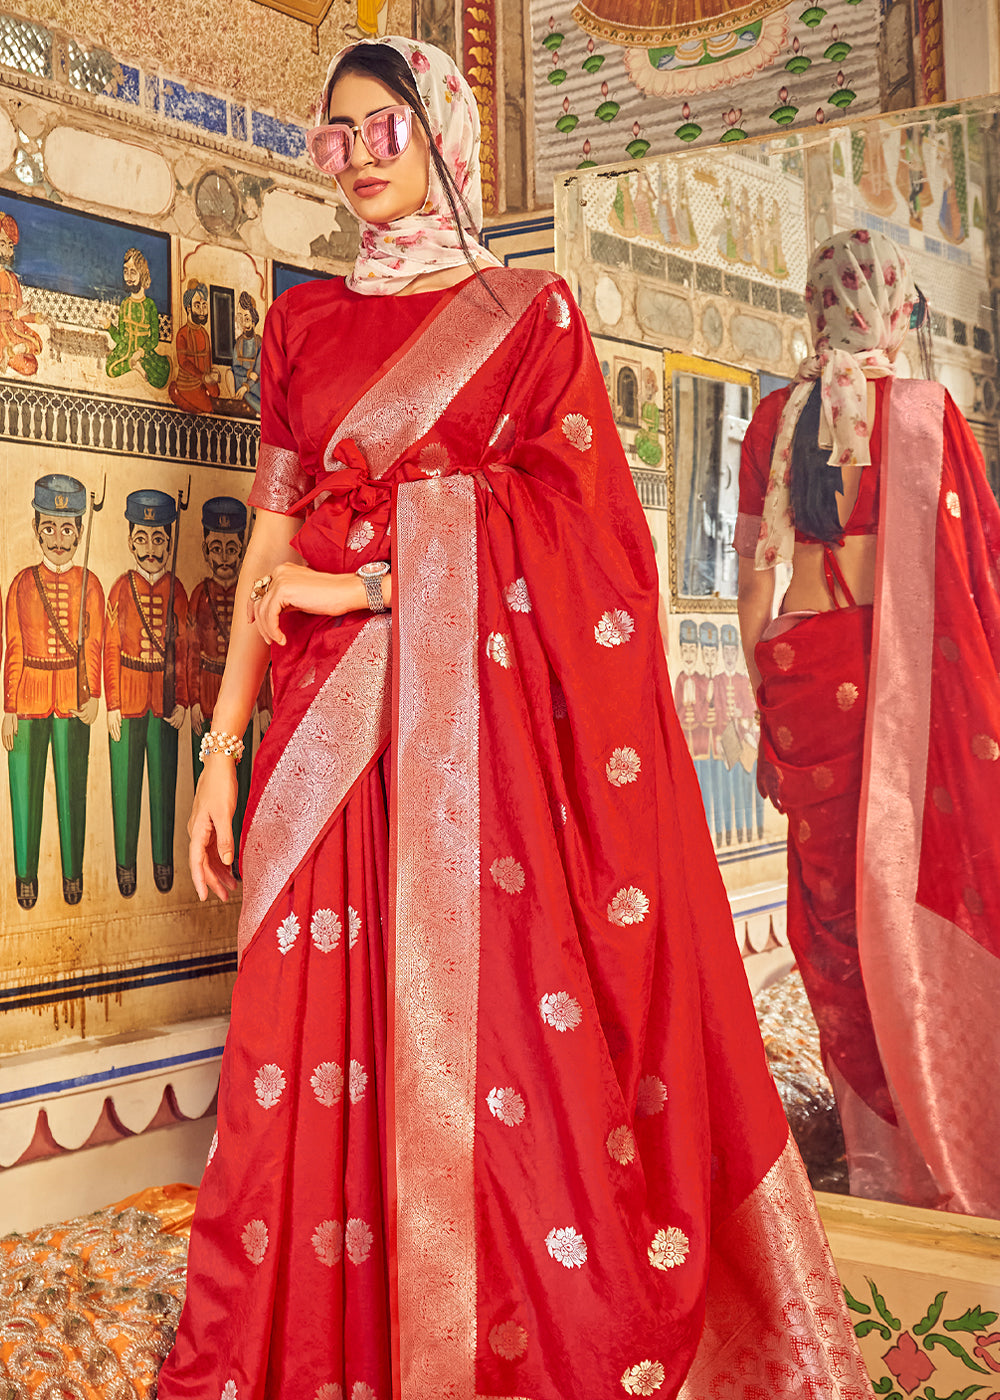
[
  {"x": 196, "y": 384},
  {"x": 246, "y": 352},
  {"x": 740, "y": 711},
  {"x": 719, "y": 813},
  {"x": 136, "y": 333},
  {"x": 20, "y": 344},
  {"x": 51, "y": 686},
  {"x": 689, "y": 698},
  {"x": 144, "y": 655},
  {"x": 210, "y": 619}
]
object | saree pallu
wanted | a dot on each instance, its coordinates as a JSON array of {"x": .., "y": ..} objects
[
  {"x": 478, "y": 870},
  {"x": 880, "y": 736}
]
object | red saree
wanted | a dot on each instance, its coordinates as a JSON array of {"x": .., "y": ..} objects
[
  {"x": 495, "y": 1119},
  {"x": 880, "y": 729}
]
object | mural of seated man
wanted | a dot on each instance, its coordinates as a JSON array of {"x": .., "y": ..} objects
[
  {"x": 195, "y": 387},
  {"x": 19, "y": 343},
  {"x": 246, "y": 352},
  {"x": 136, "y": 333}
]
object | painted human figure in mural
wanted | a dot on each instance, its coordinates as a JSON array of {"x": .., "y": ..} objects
[
  {"x": 710, "y": 712},
  {"x": 690, "y": 700},
  {"x": 137, "y": 652},
  {"x": 952, "y": 219},
  {"x": 246, "y": 352},
  {"x": 210, "y": 620},
  {"x": 51, "y": 686},
  {"x": 776, "y": 264},
  {"x": 20, "y": 344},
  {"x": 647, "y": 439},
  {"x": 740, "y": 738},
  {"x": 135, "y": 333},
  {"x": 195, "y": 387},
  {"x": 911, "y": 174}
]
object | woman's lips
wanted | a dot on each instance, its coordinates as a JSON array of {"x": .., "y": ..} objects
[{"x": 368, "y": 189}]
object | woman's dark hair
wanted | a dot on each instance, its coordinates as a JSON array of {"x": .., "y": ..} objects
[
  {"x": 385, "y": 65},
  {"x": 814, "y": 484}
]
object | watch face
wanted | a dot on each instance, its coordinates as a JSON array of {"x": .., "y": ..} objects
[{"x": 374, "y": 570}]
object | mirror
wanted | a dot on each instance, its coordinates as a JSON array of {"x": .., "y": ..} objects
[{"x": 703, "y": 255}]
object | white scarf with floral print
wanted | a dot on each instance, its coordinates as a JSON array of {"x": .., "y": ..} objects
[
  {"x": 860, "y": 294},
  {"x": 392, "y": 255}
]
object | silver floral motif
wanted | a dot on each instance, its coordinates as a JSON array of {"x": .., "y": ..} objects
[
  {"x": 288, "y": 931},
  {"x": 629, "y": 906},
  {"x": 498, "y": 649},
  {"x": 953, "y": 504},
  {"x": 434, "y": 459},
  {"x": 327, "y": 1082},
  {"x": 669, "y": 1248},
  {"x": 614, "y": 629},
  {"x": 563, "y": 815},
  {"x": 557, "y": 310},
  {"x": 360, "y": 1391},
  {"x": 353, "y": 926},
  {"x": 560, "y": 1011},
  {"x": 516, "y": 596},
  {"x": 357, "y": 1081},
  {"x": 509, "y": 1340},
  {"x": 567, "y": 1247},
  {"x": 577, "y": 431},
  {"x": 621, "y": 1145},
  {"x": 643, "y": 1379},
  {"x": 328, "y": 1242},
  {"x": 269, "y": 1085},
  {"x": 624, "y": 766},
  {"x": 214, "y": 1147},
  {"x": 651, "y": 1097},
  {"x": 255, "y": 1240},
  {"x": 498, "y": 429},
  {"x": 360, "y": 535},
  {"x": 229, "y": 1391},
  {"x": 330, "y": 1391},
  {"x": 508, "y": 873},
  {"x": 507, "y": 1105},
  {"x": 358, "y": 1241},
  {"x": 325, "y": 930}
]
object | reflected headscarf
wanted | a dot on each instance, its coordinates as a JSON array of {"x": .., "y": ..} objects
[
  {"x": 859, "y": 293},
  {"x": 392, "y": 255}
]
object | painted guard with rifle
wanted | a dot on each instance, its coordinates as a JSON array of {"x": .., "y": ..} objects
[
  {"x": 145, "y": 680},
  {"x": 52, "y": 682}
]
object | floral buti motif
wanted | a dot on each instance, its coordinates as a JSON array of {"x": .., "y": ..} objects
[
  {"x": 508, "y": 874},
  {"x": 327, "y": 1082},
  {"x": 614, "y": 629},
  {"x": 516, "y": 596},
  {"x": 498, "y": 649},
  {"x": 847, "y": 695},
  {"x": 560, "y": 1011},
  {"x": 669, "y": 1248},
  {"x": 509, "y": 1340},
  {"x": 953, "y": 505},
  {"x": 577, "y": 431},
  {"x": 255, "y": 1241},
  {"x": 229, "y": 1391},
  {"x": 629, "y": 906},
  {"x": 984, "y": 746},
  {"x": 621, "y": 1145},
  {"x": 360, "y": 536},
  {"x": 353, "y": 926},
  {"x": 328, "y": 1242},
  {"x": 330, "y": 1391},
  {"x": 358, "y": 1241},
  {"x": 651, "y": 1097},
  {"x": 361, "y": 1391},
  {"x": 288, "y": 932},
  {"x": 325, "y": 930},
  {"x": 357, "y": 1081},
  {"x": 624, "y": 766},
  {"x": 213, "y": 1149},
  {"x": 507, "y": 1105},
  {"x": 557, "y": 310},
  {"x": 643, "y": 1379},
  {"x": 269, "y": 1085},
  {"x": 434, "y": 459},
  {"x": 567, "y": 1247}
]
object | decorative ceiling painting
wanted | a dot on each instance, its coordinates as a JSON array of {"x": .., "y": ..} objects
[{"x": 619, "y": 79}]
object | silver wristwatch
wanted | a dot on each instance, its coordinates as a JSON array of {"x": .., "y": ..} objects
[{"x": 371, "y": 575}]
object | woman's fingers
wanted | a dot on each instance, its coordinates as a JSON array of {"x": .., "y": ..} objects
[{"x": 211, "y": 852}]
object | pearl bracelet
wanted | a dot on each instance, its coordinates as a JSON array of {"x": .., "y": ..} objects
[{"x": 215, "y": 741}]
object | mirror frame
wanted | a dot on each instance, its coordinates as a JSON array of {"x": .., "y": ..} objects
[{"x": 677, "y": 362}]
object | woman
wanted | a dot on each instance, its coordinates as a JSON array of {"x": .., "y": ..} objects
[
  {"x": 493, "y": 1101},
  {"x": 880, "y": 720}
]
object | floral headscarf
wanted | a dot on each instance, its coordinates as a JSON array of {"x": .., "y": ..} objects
[
  {"x": 392, "y": 255},
  {"x": 860, "y": 294}
]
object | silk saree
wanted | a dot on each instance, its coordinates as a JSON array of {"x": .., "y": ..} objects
[
  {"x": 494, "y": 1118},
  {"x": 880, "y": 738}
]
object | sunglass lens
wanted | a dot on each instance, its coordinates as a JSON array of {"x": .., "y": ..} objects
[
  {"x": 387, "y": 134},
  {"x": 330, "y": 148}
]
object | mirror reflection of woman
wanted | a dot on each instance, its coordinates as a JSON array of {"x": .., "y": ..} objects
[
  {"x": 493, "y": 1101},
  {"x": 880, "y": 728}
]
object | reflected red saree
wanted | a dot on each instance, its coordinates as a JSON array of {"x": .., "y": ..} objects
[
  {"x": 495, "y": 1119},
  {"x": 880, "y": 728}
]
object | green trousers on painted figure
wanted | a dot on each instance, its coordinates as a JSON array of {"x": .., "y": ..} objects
[
  {"x": 243, "y": 772},
  {"x": 150, "y": 740},
  {"x": 70, "y": 742}
]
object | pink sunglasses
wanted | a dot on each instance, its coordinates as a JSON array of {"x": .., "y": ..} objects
[{"x": 385, "y": 134}]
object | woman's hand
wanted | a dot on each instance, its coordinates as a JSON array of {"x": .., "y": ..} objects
[
  {"x": 297, "y": 586},
  {"x": 210, "y": 828}
]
